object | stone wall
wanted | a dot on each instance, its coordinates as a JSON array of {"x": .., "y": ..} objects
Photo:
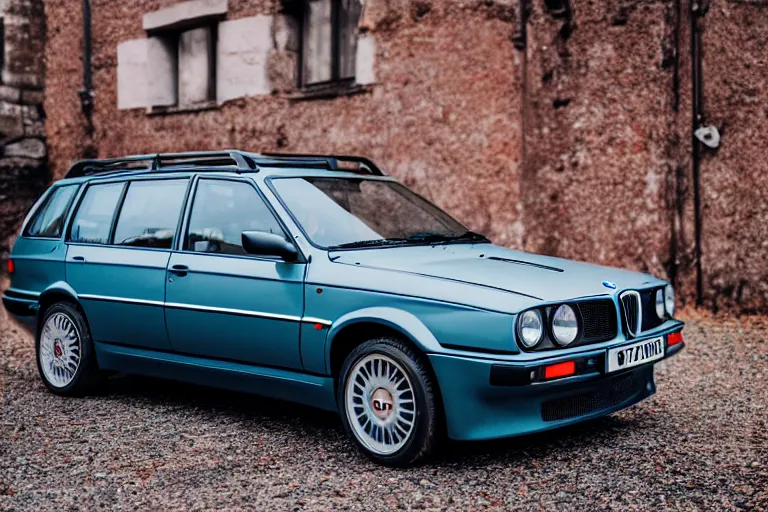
[{"x": 23, "y": 162}]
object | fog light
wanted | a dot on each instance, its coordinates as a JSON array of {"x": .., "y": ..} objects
[{"x": 560, "y": 370}]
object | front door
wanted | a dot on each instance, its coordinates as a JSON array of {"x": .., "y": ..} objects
[{"x": 223, "y": 303}]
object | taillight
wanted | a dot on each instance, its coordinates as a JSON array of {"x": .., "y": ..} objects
[
  {"x": 560, "y": 370},
  {"x": 674, "y": 338},
  {"x": 11, "y": 267}
]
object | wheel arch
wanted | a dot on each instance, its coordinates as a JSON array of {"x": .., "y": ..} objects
[
  {"x": 57, "y": 292},
  {"x": 356, "y": 327}
]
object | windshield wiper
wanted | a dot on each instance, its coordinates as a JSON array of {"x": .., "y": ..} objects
[
  {"x": 439, "y": 238},
  {"x": 370, "y": 243}
]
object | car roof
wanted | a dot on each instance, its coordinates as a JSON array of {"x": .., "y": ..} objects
[{"x": 228, "y": 162}]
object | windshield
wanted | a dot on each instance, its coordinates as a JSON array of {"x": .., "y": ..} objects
[{"x": 354, "y": 212}]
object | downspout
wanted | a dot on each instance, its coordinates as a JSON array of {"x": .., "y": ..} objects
[
  {"x": 699, "y": 8},
  {"x": 86, "y": 93},
  {"x": 520, "y": 41}
]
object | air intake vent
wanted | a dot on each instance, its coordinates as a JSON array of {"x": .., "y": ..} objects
[{"x": 632, "y": 308}]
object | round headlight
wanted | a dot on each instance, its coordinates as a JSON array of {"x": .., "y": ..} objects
[
  {"x": 669, "y": 300},
  {"x": 565, "y": 326},
  {"x": 530, "y": 328},
  {"x": 660, "y": 311}
]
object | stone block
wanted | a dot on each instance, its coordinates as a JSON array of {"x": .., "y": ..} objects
[
  {"x": 365, "y": 60},
  {"x": 11, "y": 124},
  {"x": 27, "y": 148},
  {"x": 9, "y": 93},
  {"x": 243, "y": 51},
  {"x": 184, "y": 13},
  {"x": 29, "y": 97},
  {"x": 132, "y": 74},
  {"x": 195, "y": 66}
]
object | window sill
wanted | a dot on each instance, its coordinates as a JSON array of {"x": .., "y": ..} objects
[
  {"x": 182, "y": 109},
  {"x": 328, "y": 92}
]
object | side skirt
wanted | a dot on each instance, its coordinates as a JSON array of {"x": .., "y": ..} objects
[{"x": 312, "y": 390}]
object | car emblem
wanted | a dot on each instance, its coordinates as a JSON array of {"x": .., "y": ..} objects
[{"x": 609, "y": 284}]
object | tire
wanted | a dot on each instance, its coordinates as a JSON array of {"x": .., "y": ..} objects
[
  {"x": 64, "y": 352},
  {"x": 376, "y": 420}
]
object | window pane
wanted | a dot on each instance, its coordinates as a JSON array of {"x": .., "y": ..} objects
[
  {"x": 221, "y": 212},
  {"x": 196, "y": 70},
  {"x": 349, "y": 17},
  {"x": 49, "y": 220},
  {"x": 93, "y": 219},
  {"x": 317, "y": 42},
  {"x": 150, "y": 213}
]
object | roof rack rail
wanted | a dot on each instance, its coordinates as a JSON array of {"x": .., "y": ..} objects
[
  {"x": 238, "y": 160},
  {"x": 333, "y": 161}
]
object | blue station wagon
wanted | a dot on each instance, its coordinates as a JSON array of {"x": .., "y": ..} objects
[{"x": 318, "y": 279}]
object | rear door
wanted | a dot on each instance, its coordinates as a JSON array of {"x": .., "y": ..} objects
[
  {"x": 223, "y": 303},
  {"x": 119, "y": 246}
]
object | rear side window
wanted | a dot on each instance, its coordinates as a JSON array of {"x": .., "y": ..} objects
[
  {"x": 48, "y": 221},
  {"x": 150, "y": 213},
  {"x": 221, "y": 212},
  {"x": 93, "y": 220}
]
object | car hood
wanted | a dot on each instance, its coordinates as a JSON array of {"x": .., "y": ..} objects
[{"x": 539, "y": 277}]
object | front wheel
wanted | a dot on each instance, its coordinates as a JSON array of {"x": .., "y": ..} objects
[{"x": 389, "y": 402}]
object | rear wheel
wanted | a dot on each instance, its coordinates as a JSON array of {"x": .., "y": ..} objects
[
  {"x": 65, "y": 356},
  {"x": 388, "y": 402}
]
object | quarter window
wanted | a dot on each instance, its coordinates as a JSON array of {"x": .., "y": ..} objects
[
  {"x": 150, "y": 213},
  {"x": 49, "y": 219},
  {"x": 222, "y": 210},
  {"x": 93, "y": 219}
]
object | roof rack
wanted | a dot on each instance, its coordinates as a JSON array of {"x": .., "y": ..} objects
[
  {"x": 237, "y": 160},
  {"x": 232, "y": 160},
  {"x": 334, "y": 162}
]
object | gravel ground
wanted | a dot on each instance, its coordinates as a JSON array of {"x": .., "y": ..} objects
[{"x": 699, "y": 444}]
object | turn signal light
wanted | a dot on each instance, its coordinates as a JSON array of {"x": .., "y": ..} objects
[
  {"x": 560, "y": 370},
  {"x": 674, "y": 338},
  {"x": 11, "y": 267}
]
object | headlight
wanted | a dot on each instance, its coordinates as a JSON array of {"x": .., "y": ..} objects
[
  {"x": 530, "y": 328},
  {"x": 669, "y": 300},
  {"x": 565, "y": 326},
  {"x": 660, "y": 311}
]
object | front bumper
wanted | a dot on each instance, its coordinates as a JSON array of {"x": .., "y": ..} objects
[{"x": 478, "y": 408}]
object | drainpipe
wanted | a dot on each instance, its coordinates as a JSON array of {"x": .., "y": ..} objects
[
  {"x": 86, "y": 93},
  {"x": 520, "y": 41},
  {"x": 699, "y": 9}
]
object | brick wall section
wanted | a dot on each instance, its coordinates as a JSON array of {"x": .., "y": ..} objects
[
  {"x": 607, "y": 173},
  {"x": 443, "y": 116},
  {"x": 23, "y": 160},
  {"x": 734, "y": 179}
]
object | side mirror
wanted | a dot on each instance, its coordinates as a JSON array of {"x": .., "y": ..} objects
[{"x": 268, "y": 244}]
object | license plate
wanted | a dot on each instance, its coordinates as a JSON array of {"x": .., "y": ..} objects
[{"x": 636, "y": 354}]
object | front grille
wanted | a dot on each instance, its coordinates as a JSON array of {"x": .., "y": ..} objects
[
  {"x": 598, "y": 320},
  {"x": 580, "y": 405},
  {"x": 631, "y": 306}
]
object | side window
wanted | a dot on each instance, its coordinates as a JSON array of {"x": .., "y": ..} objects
[
  {"x": 150, "y": 213},
  {"x": 222, "y": 210},
  {"x": 49, "y": 219},
  {"x": 93, "y": 219}
]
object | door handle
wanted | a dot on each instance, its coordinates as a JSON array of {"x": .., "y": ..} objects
[
  {"x": 78, "y": 258},
  {"x": 179, "y": 270}
]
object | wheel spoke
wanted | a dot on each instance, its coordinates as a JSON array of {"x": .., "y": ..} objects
[{"x": 60, "y": 350}]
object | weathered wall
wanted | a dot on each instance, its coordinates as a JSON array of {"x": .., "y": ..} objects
[
  {"x": 443, "y": 116},
  {"x": 603, "y": 173},
  {"x": 23, "y": 162},
  {"x": 734, "y": 179}
]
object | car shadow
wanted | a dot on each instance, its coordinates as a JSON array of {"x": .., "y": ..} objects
[{"x": 324, "y": 426}]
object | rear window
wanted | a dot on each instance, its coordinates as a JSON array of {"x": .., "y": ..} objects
[
  {"x": 48, "y": 221},
  {"x": 150, "y": 213},
  {"x": 93, "y": 219}
]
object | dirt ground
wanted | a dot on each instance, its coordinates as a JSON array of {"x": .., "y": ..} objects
[{"x": 699, "y": 444}]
